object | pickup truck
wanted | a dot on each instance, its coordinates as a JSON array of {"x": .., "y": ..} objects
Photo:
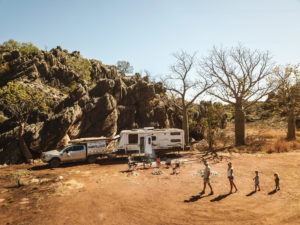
[{"x": 79, "y": 150}]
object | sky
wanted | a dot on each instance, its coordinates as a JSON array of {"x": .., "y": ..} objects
[{"x": 147, "y": 32}]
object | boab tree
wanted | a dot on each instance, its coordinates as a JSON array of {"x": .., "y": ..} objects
[
  {"x": 185, "y": 86},
  {"x": 241, "y": 79},
  {"x": 288, "y": 94},
  {"x": 20, "y": 101}
]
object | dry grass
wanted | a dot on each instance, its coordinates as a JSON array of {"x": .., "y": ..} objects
[
  {"x": 282, "y": 145},
  {"x": 295, "y": 145},
  {"x": 278, "y": 147},
  {"x": 263, "y": 137}
]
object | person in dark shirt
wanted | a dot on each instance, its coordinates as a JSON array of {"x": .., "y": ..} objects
[{"x": 256, "y": 181}]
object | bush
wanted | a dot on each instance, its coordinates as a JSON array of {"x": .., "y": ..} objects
[
  {"x": 80, "y": 65},
  {"x": 295, "y": 145},
  {"x": 25, "y": 48},
  {"x": 255, "y": 142},
  {"x": 279, "y": 146}
]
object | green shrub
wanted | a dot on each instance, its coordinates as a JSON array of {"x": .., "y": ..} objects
[
  {"x": 80, "y": 65},
  {"x": 21, "y": 100},
  {"x": 25, "y": 48}
]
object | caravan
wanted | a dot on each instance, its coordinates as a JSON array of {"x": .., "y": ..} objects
[{"x": 149, "y": 140}]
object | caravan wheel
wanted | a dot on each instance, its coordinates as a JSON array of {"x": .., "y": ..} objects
[
  {"x": 54, "y": 162},
  {"x": 91, "y": 159}
]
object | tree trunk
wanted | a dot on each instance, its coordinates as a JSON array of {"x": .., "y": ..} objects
[
  {"x": 210, "y": 137},
  {"x": 239, "y": 122},
  {"x": 291, "y": 131},
  {"x": 23, "y": 146},
  {"x": 185, "y": 126}
]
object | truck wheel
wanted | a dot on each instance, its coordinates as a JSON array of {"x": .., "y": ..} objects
[
  {"x": 91, "y": 159},
  {"x": 54, "y": 162}
]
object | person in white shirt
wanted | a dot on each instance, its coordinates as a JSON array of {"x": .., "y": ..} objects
[
  {"x": 230, "y": 177},
  {"x": 206, "y": 180}
]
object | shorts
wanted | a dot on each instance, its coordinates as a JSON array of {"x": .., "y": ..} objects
[
  {"x": 206, "y": 180},
  {"x": 231, "y": 178}
]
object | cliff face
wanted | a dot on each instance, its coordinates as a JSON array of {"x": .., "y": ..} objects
[{"x": 87, "y": 98}]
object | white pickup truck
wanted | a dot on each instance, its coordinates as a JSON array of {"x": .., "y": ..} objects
[{"x": 84, "y": 149}]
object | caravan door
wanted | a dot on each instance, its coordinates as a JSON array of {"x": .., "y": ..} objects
[
  {"x": 142, "y": 145},
  {"x": 148, "y": 146}
]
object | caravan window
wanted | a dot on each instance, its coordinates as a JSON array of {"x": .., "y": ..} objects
[
  {"x": 175, "y": 133},
  {"x": 175, "y": 140},
  {"x": 153, "y": 138},
  {"x": 133, "y": 138}
]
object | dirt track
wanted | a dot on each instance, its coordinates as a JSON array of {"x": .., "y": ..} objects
[{"x": 103, "y": 194}]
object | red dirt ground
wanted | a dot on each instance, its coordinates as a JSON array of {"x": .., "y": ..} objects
[{"x": 104, "y": 194}]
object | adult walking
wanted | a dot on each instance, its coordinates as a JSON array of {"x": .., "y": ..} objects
[
  {"x": 206, "y": 180},
  {"x": 230, "y": 177}
]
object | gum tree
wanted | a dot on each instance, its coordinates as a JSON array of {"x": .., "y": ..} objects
[{"x": 19, "y": 101}]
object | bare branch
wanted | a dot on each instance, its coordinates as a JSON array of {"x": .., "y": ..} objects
[{"x": 239, "y": 73}]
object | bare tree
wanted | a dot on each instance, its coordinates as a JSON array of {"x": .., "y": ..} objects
[
  {"x": 185, "y": 86},
  {"x": 241, "y": 79},
  {"x": 288, "y": 94}
]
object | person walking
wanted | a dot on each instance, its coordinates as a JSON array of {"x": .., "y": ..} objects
[
  {"x": 230, "y": 177},
  {"x": 256, "y": 181},
  {"x": 206, "y": 180},
  {"x": 276, "y": 179}
]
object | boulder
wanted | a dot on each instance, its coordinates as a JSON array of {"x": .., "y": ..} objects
[
  {"x": 101, "y": 116},
  {"x": 57, "y": 127},
  {"x": 103, "y": 86},
  {"x": 10, "y": 153}
]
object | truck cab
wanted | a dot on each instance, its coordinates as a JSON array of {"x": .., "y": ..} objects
[
  {"x": 70, "y": 153},
  {"x": 73, "y": 153}
]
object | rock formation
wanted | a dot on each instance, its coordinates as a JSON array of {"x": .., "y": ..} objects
[{"x": 87, "y": 98}]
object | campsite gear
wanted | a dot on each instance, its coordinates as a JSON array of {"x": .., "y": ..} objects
[
  {"x": 131, "y": 164},
  {"x": 175, "y": 168}
]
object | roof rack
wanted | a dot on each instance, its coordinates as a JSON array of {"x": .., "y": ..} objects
[{"x": 148, "y": 128}]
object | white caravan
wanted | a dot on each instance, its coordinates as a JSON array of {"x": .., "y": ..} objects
[{"x": 142, "y": 141}]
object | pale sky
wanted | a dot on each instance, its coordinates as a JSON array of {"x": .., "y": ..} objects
[{"x": 146, "y": 32}]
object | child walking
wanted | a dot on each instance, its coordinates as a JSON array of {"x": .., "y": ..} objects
[
  {"x": 276, "y": 178},
  {"x": 256, "y": 181}
]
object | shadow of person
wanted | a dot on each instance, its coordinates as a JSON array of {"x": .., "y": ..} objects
[
  {"x": 272, "y": 192},
  {"x": 251, "y": 193},
  {"x": 195, "y": 198},
  {"x": 220, "y": 197}
]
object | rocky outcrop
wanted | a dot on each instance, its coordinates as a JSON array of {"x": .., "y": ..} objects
[{"x": 87, "y": 97}]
